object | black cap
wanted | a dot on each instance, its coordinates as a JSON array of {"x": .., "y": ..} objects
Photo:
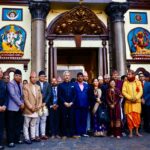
[
  {"x": 41, "y": 73},
  {"x": 17, "y": 71},
  {"x": 79, "y": 74},
  {"x": 147, "y": 74}
]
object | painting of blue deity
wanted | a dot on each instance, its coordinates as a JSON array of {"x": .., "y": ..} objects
[
  {"x": 12, "y": 14},
  {"x": 12, "y": 41},
  {"x": 139, "y": 43},
  {"x": 138, "y": 18}
]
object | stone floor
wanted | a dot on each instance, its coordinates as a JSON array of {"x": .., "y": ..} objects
[{"x": 91, "y": 143}]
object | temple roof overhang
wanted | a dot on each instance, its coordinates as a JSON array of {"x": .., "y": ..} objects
[
  {"x": 54, "y": 1},
  {"x": 134, "y": 4}
]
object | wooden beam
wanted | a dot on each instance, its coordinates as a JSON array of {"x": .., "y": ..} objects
[
  {"x": 138, "y": 61},
  {"x": 12, "y": 2},
  {"x": 15, "y": 60},
  {"x": 54, "y": 37},
  {"x": 139, "y": 4}
]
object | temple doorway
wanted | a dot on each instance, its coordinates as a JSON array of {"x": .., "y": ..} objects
[
  {"x": 75, "y": 29},
  {"x": 77, "y": 60}
]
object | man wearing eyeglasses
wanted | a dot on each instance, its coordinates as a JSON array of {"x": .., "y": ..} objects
[{"x": 46, "y": 94}]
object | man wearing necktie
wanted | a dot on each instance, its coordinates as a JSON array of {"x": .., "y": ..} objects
[{"x": 54, "y": 110}]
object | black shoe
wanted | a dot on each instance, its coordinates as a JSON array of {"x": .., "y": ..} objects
[
  {"x": 19, "y": 142},
  {"x": 1, "y": 147},
  {"x": 11, "y": 145},
  {"x": 35, "y": 140},
  {"x": 27, "y": 142},
  {"x": 90, "y": 132}
]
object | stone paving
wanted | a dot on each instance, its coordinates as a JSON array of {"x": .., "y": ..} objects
[{"x": 90, "y": 143}]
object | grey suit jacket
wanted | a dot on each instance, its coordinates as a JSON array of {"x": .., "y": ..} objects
[
  {"x": 14, "y": 97},
  {"x": 46, "y": 92}
]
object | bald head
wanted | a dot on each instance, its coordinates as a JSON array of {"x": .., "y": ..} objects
[
  {"x": 54, "y": 82},
  {"x": 85, "y": 76}
]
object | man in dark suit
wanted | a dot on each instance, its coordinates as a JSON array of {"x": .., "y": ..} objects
[
  {"x": 82, "y": 103},
  {"x": 66, "y": 95},
  {"x": 3, "y": 103},
  {"x": 54, "y": 110},
  {"x": 46, "y": 93},
  {"x": 15, "y": 105}
]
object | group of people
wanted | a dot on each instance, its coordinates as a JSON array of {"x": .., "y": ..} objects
[{"x": 72, "y": 108}]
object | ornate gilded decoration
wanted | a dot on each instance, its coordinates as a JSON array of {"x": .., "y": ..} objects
[{"x": 79, "y": 21}]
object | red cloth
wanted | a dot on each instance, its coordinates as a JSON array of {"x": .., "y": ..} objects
[
  {"x": 133, "y": 120},
  {"x": 113, "y": 97}
]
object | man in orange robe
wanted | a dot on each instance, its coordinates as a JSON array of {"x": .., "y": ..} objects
[{"x": 132, "y": 91}]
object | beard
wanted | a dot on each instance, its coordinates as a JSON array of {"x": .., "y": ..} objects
[{"x": 131, "y": 79}]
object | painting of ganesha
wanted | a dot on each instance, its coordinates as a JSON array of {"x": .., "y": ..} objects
[
  {"x": 12, "y": 41},
  {"x": 139, "y": 43}
]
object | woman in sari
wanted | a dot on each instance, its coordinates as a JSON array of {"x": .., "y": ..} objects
[
  {"x": 99, "y": 128},
  {"x": 113, "y": 100}
]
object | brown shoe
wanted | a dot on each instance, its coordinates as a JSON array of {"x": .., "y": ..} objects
[
  {"x": 52, "y": 137},
  {"x": 76, "y": 137},
  {"x": 36, "y": 139},
  {"x": 64, "y": 137},
  {"x": 44, "y": 137},
  {"x": 58, "y": 137}
]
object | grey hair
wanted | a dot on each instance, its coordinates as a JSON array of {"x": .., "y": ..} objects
[{"x": 65, "y": 72}]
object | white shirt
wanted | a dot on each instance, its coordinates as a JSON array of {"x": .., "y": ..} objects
[{"x": 41, "y": 83}]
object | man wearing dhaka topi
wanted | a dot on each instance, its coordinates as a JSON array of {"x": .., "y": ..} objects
[{"x": 132, "y": 91}]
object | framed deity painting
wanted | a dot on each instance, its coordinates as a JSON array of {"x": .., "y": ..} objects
[
  {"x": 138, "y": 18},
  {"x": 139, "y": 43},
  {"x": 12, "y": 14},
  {"x": 12, "y": 41}
]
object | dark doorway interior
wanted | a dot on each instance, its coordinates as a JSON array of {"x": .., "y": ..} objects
[{"x": 77, "y": 58}]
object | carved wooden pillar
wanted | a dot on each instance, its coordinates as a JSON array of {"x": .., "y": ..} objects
[
  {"x": 105, "y": 61},
  {"x": 55, "y": 62},
  {"x": 50, "y": 60}
]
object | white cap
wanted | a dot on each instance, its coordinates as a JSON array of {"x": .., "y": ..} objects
[{"x": 100, "y": 77}]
